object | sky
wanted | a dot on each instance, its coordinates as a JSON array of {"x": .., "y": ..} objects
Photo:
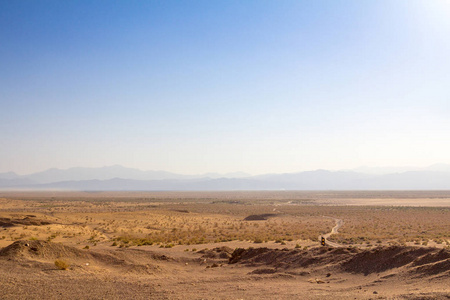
[{"x": 223, "y": 86}]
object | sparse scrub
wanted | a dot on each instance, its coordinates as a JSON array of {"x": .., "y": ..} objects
[
  {"x": 214, "y": 217},
  {"x": 61, "y": 264}
]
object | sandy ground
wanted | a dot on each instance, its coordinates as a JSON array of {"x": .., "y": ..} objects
[
  {"x": 384, "y": 198},
  {"x": 417, "y": 202},
  {"x": 28, "y": 271},
  {"x": 38, "y": 229}
]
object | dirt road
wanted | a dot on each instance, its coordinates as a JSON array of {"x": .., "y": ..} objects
[{"x": 334, "y": 230}]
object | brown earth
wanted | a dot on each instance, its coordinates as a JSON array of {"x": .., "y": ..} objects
[
  {"x": 261, "y": 217},
  {"x": 194, "y": 245},
  {"x": 28, "y": 271},
  {"x": 29, "y": 220}
]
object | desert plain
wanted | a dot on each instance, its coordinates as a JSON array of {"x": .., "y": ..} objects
[{"x": 225, "y": 245}]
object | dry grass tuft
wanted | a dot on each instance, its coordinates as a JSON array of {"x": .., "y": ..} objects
[{"x": 61, "y": 264}]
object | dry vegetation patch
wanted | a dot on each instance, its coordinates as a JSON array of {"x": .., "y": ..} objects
[
  {"x": 393, "y": 225},
  {"x": 173, "y": 218}
]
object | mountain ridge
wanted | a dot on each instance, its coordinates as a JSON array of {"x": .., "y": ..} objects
[
  {"x": 108, "y": 172},
  {"x": 426, "y": 179}
]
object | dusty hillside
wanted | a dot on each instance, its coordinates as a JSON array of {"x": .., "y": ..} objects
[
  {"x": 28, "y": 271},
  {"x": 408, "y": 261}
]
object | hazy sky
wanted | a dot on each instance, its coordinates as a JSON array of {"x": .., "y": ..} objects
[{"x": 222, "y": 86}]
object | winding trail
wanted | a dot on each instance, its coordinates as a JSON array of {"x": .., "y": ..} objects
[{"x": 334, "y": 230}]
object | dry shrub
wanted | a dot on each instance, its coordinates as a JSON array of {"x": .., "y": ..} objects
[{"x": 61, "y": 264}]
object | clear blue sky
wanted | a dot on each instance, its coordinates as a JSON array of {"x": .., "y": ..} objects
[{"x": 222, "y": 86}]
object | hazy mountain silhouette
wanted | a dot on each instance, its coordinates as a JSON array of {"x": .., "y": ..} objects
[
  {"x": 120, "y": 178},
  {"x": 109, "y": 172},
  {"x": 16, "y": 182},
  {"x": 104, "y": 173},
  {"x": 391, "y": 170},
  {"x": 9, "y": 175}
]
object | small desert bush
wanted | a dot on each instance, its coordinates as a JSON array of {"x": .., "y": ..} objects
[{"x": 61, "y": 264}]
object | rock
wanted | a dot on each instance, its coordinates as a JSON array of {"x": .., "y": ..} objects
[{"x": 319, "y": 280}]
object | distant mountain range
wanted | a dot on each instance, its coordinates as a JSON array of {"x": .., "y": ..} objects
[
  {"x": 118, "y": 178},
  {"x": 110, "y": 172}
]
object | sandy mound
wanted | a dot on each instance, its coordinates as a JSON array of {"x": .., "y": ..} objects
[
  {"x": 127, "y": 261},
  {"x": 41, "y": 249},
  {"x": 261, "y": 217},
  {"x": 286, "y": 258},
  {"x": 383, "y": 259},
  {"x": 436, "y": 262},
  {"x": 413, "y": 260},
  {"x": 217, "y": 253},
  {"x": 27, "y": 221}
]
